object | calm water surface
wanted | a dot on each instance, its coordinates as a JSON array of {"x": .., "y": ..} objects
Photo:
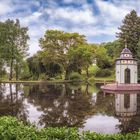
[{"x": 82, "y": 106}]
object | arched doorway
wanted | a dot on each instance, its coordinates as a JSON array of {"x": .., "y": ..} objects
[{"x": 127, "y": 75}]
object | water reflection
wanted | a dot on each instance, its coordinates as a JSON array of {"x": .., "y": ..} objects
[
  {"x": 126, "y": 110},
  {"x": 11, "y": 102},
  {"x": 61, "y": 106},
  {"x": 82, "y": 106}
]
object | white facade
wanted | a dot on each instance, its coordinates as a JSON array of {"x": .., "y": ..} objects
[{"x": 126, "y": 68}]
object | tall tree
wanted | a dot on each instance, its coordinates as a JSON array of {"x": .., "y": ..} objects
[
  {"x": 13, "y": 43},
  {"x": 130, "y": 32},
  {"x": 82, "y": 57},
  {"x": 56, "y": 45}
]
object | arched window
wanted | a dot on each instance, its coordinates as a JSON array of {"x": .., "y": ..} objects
[{"x": 127, "y": 75}]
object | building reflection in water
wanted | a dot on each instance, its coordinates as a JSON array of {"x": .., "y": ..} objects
[
  {"x": 126, "y": 105},
  {"x": 125, "y": 109}
]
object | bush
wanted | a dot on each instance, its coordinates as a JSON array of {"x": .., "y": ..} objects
[
  {"x": 12, "y": 129},
  {"x": 93, "y": 69},
  {"x": 75, "y": 76},
  {"x": 103, "y": 73},
  {"x": 42, "y": 76}
]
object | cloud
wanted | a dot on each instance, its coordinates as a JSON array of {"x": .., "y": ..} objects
[
  {"x": 71, "y": 14},
  {"x": 97, "y": 19},
  {"x": 112, "y": 12},
  {"x": 5, "y": 7}
]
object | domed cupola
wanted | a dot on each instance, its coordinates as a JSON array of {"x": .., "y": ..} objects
[
  {"x": 126, "y": 54},
  {"x": 126, "y": 57}
]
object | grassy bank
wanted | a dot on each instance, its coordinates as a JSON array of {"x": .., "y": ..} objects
[
  {"x": 36, "y": 81},
  {"x": 101, "y": 79},
  {"x": 12, "y": 129},
  {"x": 90, "y": 80}
]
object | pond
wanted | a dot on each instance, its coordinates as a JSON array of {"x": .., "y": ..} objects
[{"x": 82, "y": 106}]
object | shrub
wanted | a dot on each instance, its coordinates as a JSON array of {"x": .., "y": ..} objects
[
  {"x": 42, "y": 76},
  {"x": 103, "y": 73},
  {"x": 93, "y": 69},
  {"x": 75, "y": 76},
  {"x": 12, "y": 129}
]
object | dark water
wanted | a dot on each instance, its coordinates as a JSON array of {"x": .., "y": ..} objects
[{"x": 82, "y": 106}]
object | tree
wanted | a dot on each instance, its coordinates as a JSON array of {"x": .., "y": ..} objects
[
  {"x": 103, "y": 60},
  {"x": 35, "y": 65},
  {"x": 130, "y": 32},
  {"x": 82, "y": 57},
  {"x": 113, "y": 49},
  {"x": 56, "y": 45},
  {"x": 13, "y": 43}
]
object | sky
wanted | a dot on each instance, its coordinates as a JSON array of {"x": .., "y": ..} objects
[{"x": 98, "y": 20}]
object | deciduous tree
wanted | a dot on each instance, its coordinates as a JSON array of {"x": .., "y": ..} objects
[{"x": 13, "y": 43}]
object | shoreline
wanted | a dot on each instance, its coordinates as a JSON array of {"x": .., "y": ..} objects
[{"x": 59, "y": 81}]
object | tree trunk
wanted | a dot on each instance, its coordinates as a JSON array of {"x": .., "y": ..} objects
[
  {"x": 86, "y": 90},
  {"x": 87, "y": 72},
  {"x": 11, "y": 70},
  {"x": 67, "y": 74},
  {"x": 17, "y": 72}
]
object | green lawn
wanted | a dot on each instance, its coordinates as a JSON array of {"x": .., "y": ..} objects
[{"x": 101, "y": 79}]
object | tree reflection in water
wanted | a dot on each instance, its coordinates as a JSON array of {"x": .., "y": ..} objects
[
  {"x": 61, "y": 105},
  {"x": 68, "y": 105},
  {"x": 11, "y": 101}
]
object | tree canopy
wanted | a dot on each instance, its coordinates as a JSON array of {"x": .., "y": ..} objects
[
  {"x": 13, "y": 44},
  {"x": 130, "y": 32}
]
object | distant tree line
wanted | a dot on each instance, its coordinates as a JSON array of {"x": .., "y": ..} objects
[{"x": 63, "y": 53}]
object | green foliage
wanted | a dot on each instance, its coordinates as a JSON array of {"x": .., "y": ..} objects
[
  {"x": 75, "y": 76},
  {"x": 130, "y": 32},
  {"x": 103, "y": 59},
  {"x": 57, "y": 47},
  {"x": 62, "y": 133},
  {"x": 12, "y": 129},
  {"x": 93, "y": 70},
  {"x": 103, "y": 73},
  {"x": 43, "y": 76},
  {"x": 53, "y": 69},
  {"x": 82, "y": 57},
  {"x": 113, "y": 49},
  {"x": 13, "y": 45},
  {"x": 35, "y": 66},
  {"x": 24, "y": 71}
]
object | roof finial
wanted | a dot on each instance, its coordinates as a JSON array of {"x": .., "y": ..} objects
[{"x": 125, "y": 44}]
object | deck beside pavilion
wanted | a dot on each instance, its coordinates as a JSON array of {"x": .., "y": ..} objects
[{"x": 115, "y": 87}]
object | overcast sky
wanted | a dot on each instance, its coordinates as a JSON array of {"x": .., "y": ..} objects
[{"x": 97, "y": 19}]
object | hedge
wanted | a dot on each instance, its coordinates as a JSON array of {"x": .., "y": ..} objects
[{"x": 12, "y": 129}]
